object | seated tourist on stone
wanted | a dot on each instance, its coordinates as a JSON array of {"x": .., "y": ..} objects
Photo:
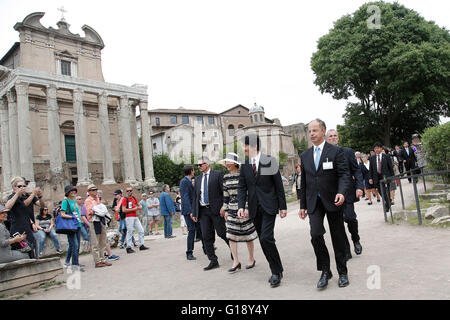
[
  {"x": 6, "y": 254},
  {"x": 45, "y": 224}
]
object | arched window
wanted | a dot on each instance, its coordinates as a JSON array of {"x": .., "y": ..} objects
[
  {"x": 231, "y": 130},
  {"x": 256, "y": 118}
]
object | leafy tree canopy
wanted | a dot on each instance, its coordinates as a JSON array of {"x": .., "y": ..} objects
[{"x": 399, "y": 73}]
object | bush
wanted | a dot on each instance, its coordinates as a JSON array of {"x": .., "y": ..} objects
[
  {"x": 167, "y": 171},
  {"x": 437, "y": 147}
]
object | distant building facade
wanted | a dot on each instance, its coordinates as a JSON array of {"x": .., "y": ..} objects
[{"x": 61, "y": 122}]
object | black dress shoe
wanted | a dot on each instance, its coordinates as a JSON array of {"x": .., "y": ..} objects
[
  {"x": 348, "y": 256},
  {"x": 251, "y": 266},
  {"x": 358, "y": 248},
  {"x": 323, "y": 281},
  {"x": 191, "y": 257},
  {"x": 275, "y": 280},
  {"x": 281, "y": 275},
  {"x": 343, "y": 280},
  {"x": 197, "y": 240},
  {"x": 233, "y": 270},
  {"x": 212, "y": 265}
]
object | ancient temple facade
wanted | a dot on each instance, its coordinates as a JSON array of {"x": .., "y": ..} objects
[{"x": 61, "y": 123}]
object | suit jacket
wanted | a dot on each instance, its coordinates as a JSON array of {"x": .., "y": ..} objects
[
  {"x": 356, "y": 178},
  {"x": 326, "y": 182},
  {"x": 215, "y": 192},
  {"x": 399, "y": 155},
  {"x": 387, "y": 169},
  {"x": 187, "y": 195},
  {"x": 166, "y": 204},
  {"x": 266, "y": 189},
  {"x": 410, "y": 159}
]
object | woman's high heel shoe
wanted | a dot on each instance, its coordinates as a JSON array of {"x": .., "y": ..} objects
[
  {"x": 233, "y": 270},
  {"x": 251, "y": 266}
]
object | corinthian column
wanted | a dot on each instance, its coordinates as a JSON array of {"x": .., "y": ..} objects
[
  {"x": 6, "y": 161},
  {"x": 108, "y": 170},
  {"x": 80, "y": 138},
  {"x": 135, "y": 144},
  {"x": 13, "y": 134},
  {"x": 146, "y": 134},
  {"x": 127, "y": 149},
  {"x": 54, "y": 134},
  {"x": 25, "y": 142}
]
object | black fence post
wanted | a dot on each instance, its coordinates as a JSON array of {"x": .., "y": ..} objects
[
  {"x": 401, "y": 193},
  {"x": 416, "y": 195},
  {"x": 382, "y": 200}
]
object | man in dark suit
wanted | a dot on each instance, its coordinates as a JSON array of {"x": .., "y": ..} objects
[
  {"x": 398, "y": 153},
  {"x": 380, "y": 167},
  {"x": 409, "y": 159},
  {"x": 206, "y": 208},
  {"x": 187, "y": 197},
  {"x": 260, "y": 184},
  {"x": 355, "y": 192},
  {"x": 325, "y": 182}
]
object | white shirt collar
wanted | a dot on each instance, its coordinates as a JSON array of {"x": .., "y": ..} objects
[
  {"x": 319, "y": 146},
  {"x": 256, "y": 159},
  {"x": 207, "y": 172}
]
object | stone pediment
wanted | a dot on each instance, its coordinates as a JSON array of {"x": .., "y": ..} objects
[{"x": 32, "y": 21}]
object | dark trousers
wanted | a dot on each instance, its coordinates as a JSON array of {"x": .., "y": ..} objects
[
  {"x": 410, "y": 166},
  {"x": 385, "y": 195},
  {"x": 352, "y": 224},
  {"x": 264, "y": 225},
  {"x": 191, "y": 234},
  {"x": 338, "y": 236},
  {"x": 210, "y": 222}
]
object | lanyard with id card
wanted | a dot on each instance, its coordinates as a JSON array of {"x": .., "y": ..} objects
[{"x": 328, "y": 165}]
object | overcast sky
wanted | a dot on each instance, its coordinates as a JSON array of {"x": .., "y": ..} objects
[{"x": 210, "y": 54}]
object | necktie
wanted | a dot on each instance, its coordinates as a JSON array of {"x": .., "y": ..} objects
[
  {"x": 379, "y": 164},
  {"x": 205, "y": 189},
  {"x": 254, "y": 168},
  {"x": 316, "y": 162},
  {"x": 407, "y": 151}
]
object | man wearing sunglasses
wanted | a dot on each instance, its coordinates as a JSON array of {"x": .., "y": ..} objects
[
  {"x": 130, "y": 205},
  {"x": 206, "y": 208}
]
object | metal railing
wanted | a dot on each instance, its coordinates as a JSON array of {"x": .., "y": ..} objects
[{"x": 414, "y": 176}]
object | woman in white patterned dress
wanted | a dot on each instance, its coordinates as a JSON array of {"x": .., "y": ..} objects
[{"x": 238, "y": 230}]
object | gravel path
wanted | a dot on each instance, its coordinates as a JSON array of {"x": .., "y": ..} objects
[{"x": 413, "y": 263}]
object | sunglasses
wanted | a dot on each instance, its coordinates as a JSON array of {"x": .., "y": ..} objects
[
  {"x": 21, "y": 186},
  {"x": 199, "y": 165},
  {"x": 129, "y": 190},
  {"x": 92, "y": 189}
]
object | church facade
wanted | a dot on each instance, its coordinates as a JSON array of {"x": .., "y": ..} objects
[{"x": 61, "y": 123}]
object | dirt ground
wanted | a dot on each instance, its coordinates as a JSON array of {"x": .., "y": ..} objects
[{"x": 398, "y": 262}]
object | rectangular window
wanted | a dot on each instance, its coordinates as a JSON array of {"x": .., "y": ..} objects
[
  {"x": 157, "y": 122},
  {"x": 173, "y": 119},
  {"x": 211, "y": 120},
  {"x": 203, "y": 134},
  {"x": 71, "y": 153},
  {"x": 65, "y": 68},
  {"x": 215, "y": 134},
  {"x": 204, "y": 147},
  {"x": 216, "y": 147},
  {"x": 200, "y": 119},
  {"x": 185, "y": 119},
  {"x": 154, "y": 146}
]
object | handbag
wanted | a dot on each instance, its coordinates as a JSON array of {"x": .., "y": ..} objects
[
  {"x": 66, "y": 226},
  {"x": 21, "y": 246}
]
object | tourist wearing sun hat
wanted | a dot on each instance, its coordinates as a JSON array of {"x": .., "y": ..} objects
[{"x": 6, "y": 254}]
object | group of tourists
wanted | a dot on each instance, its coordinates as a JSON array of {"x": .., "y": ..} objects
[{"x": 240, "y": 206}]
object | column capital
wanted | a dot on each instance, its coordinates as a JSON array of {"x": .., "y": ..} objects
[
  {"x": 78, "y": 95},
  {"x": 103, "y": 98},
  {"x": 3, "y": 105},
  {"x": 143, "y": 105},
  {"x": 22, "y": 88},
  {"x": 10, "y": 96},
  {"x": 51, "y": 91}
]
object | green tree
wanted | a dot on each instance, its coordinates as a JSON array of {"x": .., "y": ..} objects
[
  {"x": 167, "y": 171},
  {"x": 300, "y": 146},
  {"x": 398, "y": 73},
  {"x": 437, "y": 147}
]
